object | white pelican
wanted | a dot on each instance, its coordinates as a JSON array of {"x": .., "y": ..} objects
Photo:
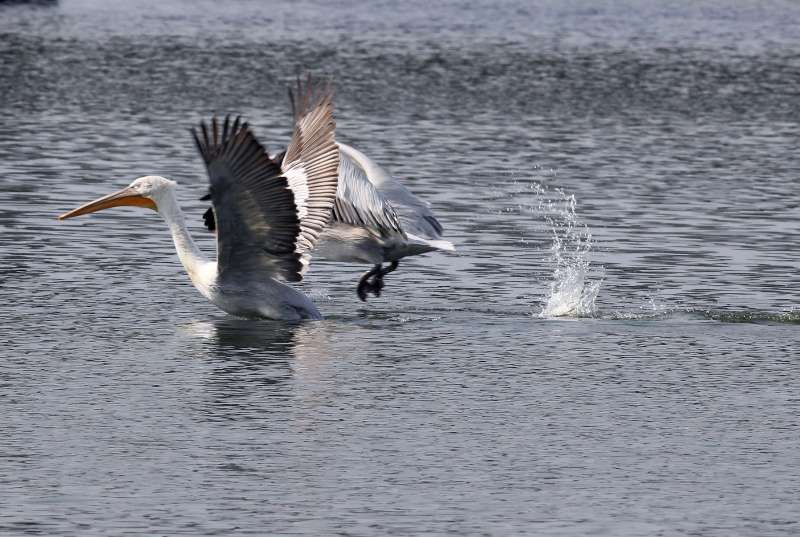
[
  {"x": 375, "y": 218},
  {"x": 269, "y": 216}
]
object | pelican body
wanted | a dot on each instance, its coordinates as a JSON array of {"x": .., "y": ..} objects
[
  {"x": 269, "y": 217},
  {"x": 376, "y": 220},
  {"x": 249, "y": 294}
]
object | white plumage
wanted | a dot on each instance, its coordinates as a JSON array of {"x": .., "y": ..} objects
[{"x": 376, "y": 220}]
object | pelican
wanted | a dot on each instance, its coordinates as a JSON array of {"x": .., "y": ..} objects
[
  {"x": 269, "y": 216},
  {"x": 376, "y": 219}
]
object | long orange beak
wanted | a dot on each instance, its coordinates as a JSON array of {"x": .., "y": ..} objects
[{"x": 126, "y": 196}]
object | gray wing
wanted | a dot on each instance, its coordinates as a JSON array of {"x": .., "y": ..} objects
[
  {"x": 257, "y": 210},
  {"x": 414, "y": 214},
  {"x": 358, "y": 202}
]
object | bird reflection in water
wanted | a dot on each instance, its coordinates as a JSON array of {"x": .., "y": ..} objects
[
  {"x": 241, "y": 337},
  {"x": 255, "y": 362}
]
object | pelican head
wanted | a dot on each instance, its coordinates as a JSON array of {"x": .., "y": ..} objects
[{"x": 143, "y": 192}]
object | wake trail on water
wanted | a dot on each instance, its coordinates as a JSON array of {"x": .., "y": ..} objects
[
  {"x": 674, "y": 314},
  {"x": 720, "y": 315}
]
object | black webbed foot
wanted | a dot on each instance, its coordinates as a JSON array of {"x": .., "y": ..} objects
[
  {"x": 361, "y": 290},
  {"x": 376, "y": 285},
  {"x": 366, "y": 285},
  {"x": 372, "y": 280}
]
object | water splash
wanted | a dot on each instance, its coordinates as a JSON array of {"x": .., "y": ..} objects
[
  {"x": 572, "y": 282},
  {"x": 575, "y": 282}
]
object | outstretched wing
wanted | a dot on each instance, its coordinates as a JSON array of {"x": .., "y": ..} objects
[
  {"x": 258, "y": 209},
  {"x": 358, "y": 202},
  {"x": 309, "y": 163},
  {"x": 311, "y": 160}
]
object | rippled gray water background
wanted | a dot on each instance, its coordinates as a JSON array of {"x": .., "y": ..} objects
[{"x": 131, "y": 406}]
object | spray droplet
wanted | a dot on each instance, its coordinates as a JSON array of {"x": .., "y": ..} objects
[{"x": 575, "y": 282}]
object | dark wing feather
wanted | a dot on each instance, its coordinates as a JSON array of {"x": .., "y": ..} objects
[
  {"x": 208, "y": 218},
  {"x": 256, "y": 215},
  {"x": 309, "y": 164}
]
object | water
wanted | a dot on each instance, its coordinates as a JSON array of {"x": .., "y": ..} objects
[{"x": 633, "y": 164}]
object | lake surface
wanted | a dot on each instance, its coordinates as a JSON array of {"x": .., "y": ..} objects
[{"x": 612, "y": 351}]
